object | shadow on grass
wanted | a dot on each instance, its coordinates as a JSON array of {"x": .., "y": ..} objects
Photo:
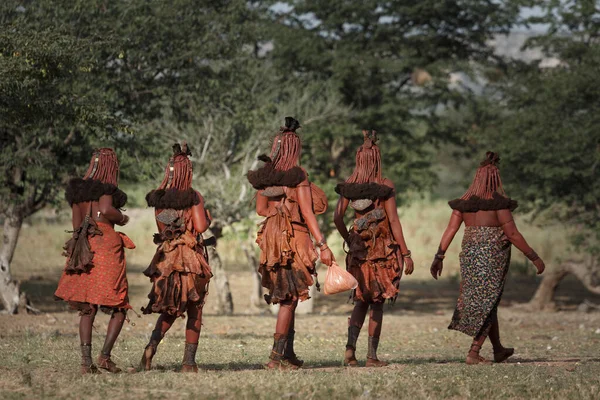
[
  {"x": 420, "y": 297},
  {"x": 244, "y": 336},
  {"x": 554, "y": 360},
  {"x": 425, "y": 297},
  {"x": 231, "y": 366}
]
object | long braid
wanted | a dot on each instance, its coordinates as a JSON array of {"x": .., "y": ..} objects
[
  {"x": 287, "y": 146},
  {"x": 182, "y": 173},
  {"x": 104, "y": 166},
  {"x": 487, "y": 179},
  {"x": 368, "y": 161}
]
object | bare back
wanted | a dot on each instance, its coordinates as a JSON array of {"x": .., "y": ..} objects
[
  {"x": 481, "y": 218},
  {"x": 80, "y": 210}
]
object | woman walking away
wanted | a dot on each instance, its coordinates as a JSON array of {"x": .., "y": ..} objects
[
  {"x": 179, "y": 271},
  {"x": 377, "y": 249},
  {"x": 94, "y": 276},
  {"x": 288, "y": 202},
  {"x": 489, "y": 232}
]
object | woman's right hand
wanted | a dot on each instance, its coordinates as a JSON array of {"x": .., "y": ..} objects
[
  {"x": 327, "y": 257},
  {"x": 539, "y": 264},
  {"x": 436, "y": 268},
  {"x": 124, "y": 220}
]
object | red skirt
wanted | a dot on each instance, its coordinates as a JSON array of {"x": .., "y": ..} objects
[
  {"x": 105, "y": 284},
  {"x": 373, "y": 261},
  {"x": 287, "y": 259}
]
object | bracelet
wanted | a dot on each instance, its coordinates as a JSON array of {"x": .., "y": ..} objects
[
  {"x": 532, "y": 255},
  {"x": 440, "y": 256},
  {"x": 406, "y": 255},
  {"x": 321, "y": 243},
  {"x": 324, "y": 247}
]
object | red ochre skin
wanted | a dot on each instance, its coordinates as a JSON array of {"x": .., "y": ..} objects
[
  {"x": 288, "y": 255},
  {"x": 374, "y": 253},
  {"x": 179, "y": 271},
  {"x": 105, "y": 284},
  {"x": 484, "y": 205}
]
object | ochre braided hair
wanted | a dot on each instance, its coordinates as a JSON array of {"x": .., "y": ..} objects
[
  {"x": 180, "y": 178},
  {"x": 487, "y": 179},
  {"x": 287, "y": 146},
  {"x": 104, "y": 166},
  {"x": 368, "y": 161}
]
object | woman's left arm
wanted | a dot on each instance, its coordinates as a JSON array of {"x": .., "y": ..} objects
[
  {"x": 201, "y": 223},
  {"x": 305, "y": 203},
  {"x": 338, "y": 217},
  {"x": 391, "y": 209}
]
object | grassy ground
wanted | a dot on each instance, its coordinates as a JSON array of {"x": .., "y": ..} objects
[
  {"x": 558, "y": 354},
  {"x": 557, "y": 357}
]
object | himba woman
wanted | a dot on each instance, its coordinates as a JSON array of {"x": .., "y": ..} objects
[
  {"x": 377, "y": 250},
  {"x": 179, "y": 270},
  {"x": 94, "y": 276},
  {"x": 489, "y": 232},
  {"x": 288, "y": 202}
]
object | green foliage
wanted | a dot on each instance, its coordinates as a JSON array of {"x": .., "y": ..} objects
[
  {"x": 49, "y": 122},
  {"x": 547, "y": 129},
  {"x": 198, "y": 71},
  {"x": 376, "y": 53},
  {"x": 154, "y": 65}
]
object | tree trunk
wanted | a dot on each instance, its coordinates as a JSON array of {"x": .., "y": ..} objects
[
  {"x": 256, "y": 299},
  {"x": 586, "y": 270},
  {"x": 220, "y": 281},
  {"x": 9, "y": 288},
  {"x": 307, "y": 307},
  {"x": 544, "y": 295}
]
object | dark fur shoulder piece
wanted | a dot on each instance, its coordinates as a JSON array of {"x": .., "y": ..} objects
[
  {"x": 371, "y": 191},
  {"x": 474, "y": 204},
  {"x": 172, "y": 198},
  {"x": 266, "y": 176},
  {"x": 82, "y": 190}
]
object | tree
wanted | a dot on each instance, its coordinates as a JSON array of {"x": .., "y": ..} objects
[
  {"x": 165, "y": 56},
  {"x": 228, "y": 136},
  {"x": 392, "y": 61},
  {"x": 48, "y": 127},
  {"x": 547, "y": 133}
]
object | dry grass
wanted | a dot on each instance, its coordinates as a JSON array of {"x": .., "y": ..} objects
[
  {"x": 556, "y": 358},
  {"x": 558, "y": 354},
  {"x": 423, "y": 223}
]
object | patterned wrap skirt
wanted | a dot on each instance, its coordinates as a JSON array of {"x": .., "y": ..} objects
[
  {"x": 287, "y": 258},
  {"x": 484, "y": 262},
  {"x": 105, "y": 284},
  {"x": 373, "y": 260},
  {"x": 179, "y": 273}
]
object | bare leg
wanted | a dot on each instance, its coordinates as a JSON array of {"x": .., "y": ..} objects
[
  {"x": 192, "y": 336},
  {"x": 473, "y": 357},
  {"x": 287, "y": 309},
  {"x": 115, "y": 324},
  {"x": 375, "y": 324},
  {"x": 289, "y": 354},
  {"x": 375, "y": 319},
  {"x": 501, "y": 353},
  {"x": 86, "y": 324},
  {"x": 355, "y": 323},
  {"x": 163, "y": 324}
]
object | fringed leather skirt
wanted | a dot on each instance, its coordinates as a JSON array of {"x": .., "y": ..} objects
[
  {"x": 179, "y": 273},
  {"x": 373, "y": 259},
  {"x": 287, "y": 259}
]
